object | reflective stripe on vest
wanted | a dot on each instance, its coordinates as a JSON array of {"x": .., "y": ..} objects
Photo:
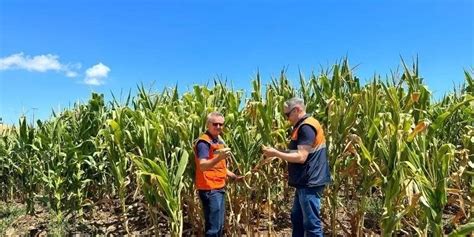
[
  {"x": 320, "y": 142},
  {"x": 215, "y": 177}
]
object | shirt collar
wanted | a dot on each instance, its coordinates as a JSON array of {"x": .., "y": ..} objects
[{"x": 214, "y": 139}]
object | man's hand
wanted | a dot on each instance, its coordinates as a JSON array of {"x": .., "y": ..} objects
[
  {"x": 234, "y": 177},
  {"x": 224, "y": 153},
  {"x": 269, "y": 151},
  {"x": 237, "y": 178}
]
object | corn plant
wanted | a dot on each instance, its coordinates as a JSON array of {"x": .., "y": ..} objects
[
  {"x": 24, "y": 156},
  {"x": 162, "y": 184},
  {"x": 115, "y": 136},
  {"x": 390, "y": 145}
]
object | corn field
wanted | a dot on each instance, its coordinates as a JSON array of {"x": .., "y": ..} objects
[{"x": 402, "y": 162}]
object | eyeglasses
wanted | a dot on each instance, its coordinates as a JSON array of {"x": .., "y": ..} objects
[
  {"x": 218, "y": 124},
  {"x": 289, "y": 112}
]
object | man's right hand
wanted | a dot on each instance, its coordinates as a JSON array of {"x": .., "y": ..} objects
[
  {"x": 224, "y": 153},
  {"x": 269, "y": 151}
]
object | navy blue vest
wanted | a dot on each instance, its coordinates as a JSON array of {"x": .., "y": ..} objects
[{"x": 314, "y": 171}]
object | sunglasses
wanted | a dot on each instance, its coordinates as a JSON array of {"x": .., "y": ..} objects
[
  {"x": 289, "y": 112},
  {"x": 218, "y": 124}
]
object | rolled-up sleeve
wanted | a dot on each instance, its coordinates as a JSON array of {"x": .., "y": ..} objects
[
  {"x": 202, "y": 150},
  {"x": 306, "y": 135}
]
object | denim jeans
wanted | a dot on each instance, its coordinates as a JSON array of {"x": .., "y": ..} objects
[
  {"x": 213, "y": 203},
  {"x": 305, "y": 214}
]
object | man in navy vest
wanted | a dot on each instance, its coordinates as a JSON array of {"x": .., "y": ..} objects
[{"x": 308, "y": 168}]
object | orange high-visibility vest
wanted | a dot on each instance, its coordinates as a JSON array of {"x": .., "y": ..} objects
[
  {"x": 215, "y": 177},
  {"x": 320, "y": 139}
]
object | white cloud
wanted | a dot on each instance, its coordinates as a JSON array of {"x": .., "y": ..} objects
[
  {"x": 71, "y": 69},
  {"x": 39, "y": 63},
  {"x": 96, "y": 74},
  {"x": 71, "y": 74}
]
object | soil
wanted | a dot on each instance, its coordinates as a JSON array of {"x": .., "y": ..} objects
[{"x": 104, "y": 218}]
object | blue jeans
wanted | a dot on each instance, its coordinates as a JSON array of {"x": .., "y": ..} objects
[
  {"x": 305, "y": 214},
  {"x": 213, "y": 204}
]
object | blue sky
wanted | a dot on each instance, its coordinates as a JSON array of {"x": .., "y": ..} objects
[{"x": 53, "y": 53}]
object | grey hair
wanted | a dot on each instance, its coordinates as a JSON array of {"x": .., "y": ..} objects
[
  {"x": 293, "y": 102},
  {"x": 213, "y": 114}
]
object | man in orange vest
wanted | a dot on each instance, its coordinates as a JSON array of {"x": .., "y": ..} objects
[
  {"x": 308, "y": 168},
  {"x": 210, "y": 155}
]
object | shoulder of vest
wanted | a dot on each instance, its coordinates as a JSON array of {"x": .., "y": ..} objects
[
  {"x": 310, "y": 121},
  {"x": 204, "y": 137}
]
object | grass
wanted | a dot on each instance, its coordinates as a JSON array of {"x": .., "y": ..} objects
[{"x": 8, "y": 214}]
